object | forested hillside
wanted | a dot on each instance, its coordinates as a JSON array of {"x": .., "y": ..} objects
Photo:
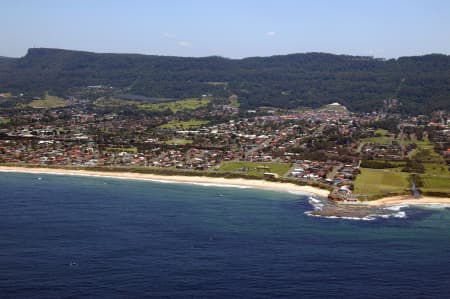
[{"x": 421, "y": 83}]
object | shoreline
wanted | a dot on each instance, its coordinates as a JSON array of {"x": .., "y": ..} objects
[
  {"x": 193, "y": 180},
  {"x": 232, "y": 183},
  {"x": 407, "y": 200}
]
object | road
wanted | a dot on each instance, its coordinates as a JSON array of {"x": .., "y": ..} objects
[
  {"x": 333, "y": 172},
  {"x": 259, "y": 147}
]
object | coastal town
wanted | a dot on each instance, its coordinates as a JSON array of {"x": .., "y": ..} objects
[
  {"x": 225, "y": 149},
  {"x": 354, "y": 155}
]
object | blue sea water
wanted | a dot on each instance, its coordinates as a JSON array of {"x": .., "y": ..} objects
[{"x": 77, "y": 237}]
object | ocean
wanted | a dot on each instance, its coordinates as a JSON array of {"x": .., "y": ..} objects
[{"x": 78, "y": 237}]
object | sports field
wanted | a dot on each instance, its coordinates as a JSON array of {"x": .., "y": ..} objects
[
  {"x": 49, "y": 102},
  {"x": 381, "y": 181}
]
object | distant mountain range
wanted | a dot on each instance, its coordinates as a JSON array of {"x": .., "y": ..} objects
[{"x": 420, "y": 83}]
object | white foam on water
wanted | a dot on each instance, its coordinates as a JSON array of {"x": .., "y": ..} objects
[
  {"x": 366, "y": 218},
  {"x": 174, "y": 182},
  {"x": 137, "y": 179},
  {"x": 216, "y": 185},
  {"x": 397, "y": 207},
  {"x": 400, "y": 214},
  {"x": 314, "y": 200},
  {"x": 317, "y": 204},
  {"x": 434, "y": 206},
  {"x": 303, "y": 193}
]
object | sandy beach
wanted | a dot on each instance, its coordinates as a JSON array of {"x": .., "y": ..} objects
[
  {"x": 199, "y": 180},
  {"x": 225, "y": 182},
  {"x": 408, "y": 200}
]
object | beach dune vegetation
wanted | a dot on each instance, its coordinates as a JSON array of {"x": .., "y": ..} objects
[{"x": 255, "y": 168}]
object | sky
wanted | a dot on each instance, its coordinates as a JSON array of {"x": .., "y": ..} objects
[{"x": 228, "y": 28}]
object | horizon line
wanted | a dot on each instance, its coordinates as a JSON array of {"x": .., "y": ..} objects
[{"x": 220, "y": 56}]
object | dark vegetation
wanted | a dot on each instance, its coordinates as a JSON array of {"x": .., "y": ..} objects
[
  {"x": 376, "y": 164},
  {"x": 6, "y": 60},
  {"x": 414, "y": 166},
  {"x": 389, "y": 124},
  {"x": 415, "y": 178},
  {"x": 421, "y": 83}
]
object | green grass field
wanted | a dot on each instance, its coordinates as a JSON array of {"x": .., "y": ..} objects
[
  {"x": 421, "y": 144},
  {"x": 378, "y": 182},
  {"x": 178, "y": 141},
  {"x": 425, "y": 146},
  {"x": 251, "y": 168},
  {"x": 435, "y": 183},
  {"x": 113, "y": 102},
  {"x": 333, "y": 107},
  {"x": 234, "y": 102},
  {"x": 436, "y": 169},
  {"x": 437, "y": 175},
  {"x": 378, "y": 139},
  {"x": 381, "y": 181},
  {"x": 184, "y": 125},
  {"x": 4, "y": 120},
  {"x": 49, "y": 102},
  {"x": 176, "y": 106},
  {"x": 381, "y": 132}
]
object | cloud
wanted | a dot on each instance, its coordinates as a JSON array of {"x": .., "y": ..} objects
[
  {"x": 271, "y": 33},
  {"x": 185, "y": 44}
]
